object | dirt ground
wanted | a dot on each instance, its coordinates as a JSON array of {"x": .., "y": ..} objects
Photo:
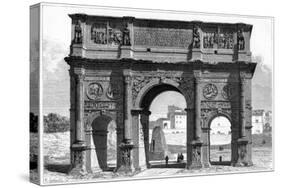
[{"x": 56, "y": 157}]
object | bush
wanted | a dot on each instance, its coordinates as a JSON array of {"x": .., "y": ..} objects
[{"x": 56, "y": 123}]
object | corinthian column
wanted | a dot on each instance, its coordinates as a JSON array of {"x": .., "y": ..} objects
[
  {"x": 194, "y": 150},
  {"x": 128, "y": 106},
  {"x": 145, "y": 126},
  {"x": 79, "y": 136},
  {"x": 78, "y": 148},
  {"x": 126, "y": 146},
  {"x": 197, "y": 101},
  {"x": 244, "y": 149},
  {"x": 242, "y": 106}
]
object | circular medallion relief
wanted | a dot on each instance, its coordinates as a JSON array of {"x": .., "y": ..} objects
[
  {"x": 113, "y": 92},
  {"x": 227, "y": 92},
  {"x": 94, "y": 90},
  {"x": 210, "y": 91}
]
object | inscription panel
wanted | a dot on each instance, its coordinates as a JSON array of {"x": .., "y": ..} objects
[
  {"x": 99, "y": 105},
  {"x": 165, "y": 37}
]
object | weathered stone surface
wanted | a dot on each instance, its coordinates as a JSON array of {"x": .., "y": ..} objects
[{"x": 119, "y": 65}]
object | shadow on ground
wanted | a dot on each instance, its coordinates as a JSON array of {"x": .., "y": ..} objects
[
  {"x": 169, "y": 165},
  {"x": 62, "y": 168}
]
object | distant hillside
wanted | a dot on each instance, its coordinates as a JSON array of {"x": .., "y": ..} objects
[{"x": 262, "y": 86}]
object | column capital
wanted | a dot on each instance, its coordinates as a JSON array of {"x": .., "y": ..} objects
[
  {"x": 128, "y": 79},
  {"x": 197, "y": 74},
  {"x": 136, "y": 111},
  {"x": 244, "y": 76},
  {"x": 145, "y": 112}
]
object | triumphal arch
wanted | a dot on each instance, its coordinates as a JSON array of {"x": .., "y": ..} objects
[{"x": 118, "y": 65}]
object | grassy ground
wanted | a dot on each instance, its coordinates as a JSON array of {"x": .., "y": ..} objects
[{"x": 57, "y": 154}]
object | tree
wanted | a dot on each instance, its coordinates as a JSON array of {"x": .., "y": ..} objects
[{"x": 55, "y": 123}]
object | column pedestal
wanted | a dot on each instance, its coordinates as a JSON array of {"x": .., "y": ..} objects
[
  {"x": 242, "y": 153},
  {"x": 126, "y": 165},
  {"x": 78, "y": 165},
  {"x": 196, "y": 161}
]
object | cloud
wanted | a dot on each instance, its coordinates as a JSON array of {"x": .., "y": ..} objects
[{"x": 56, "y": 84}]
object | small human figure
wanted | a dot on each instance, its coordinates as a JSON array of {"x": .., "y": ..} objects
[
  {"x": 182, "y": 157},
  {"x": 167, "y": 160},
  {"x": 178, "y": 158}
]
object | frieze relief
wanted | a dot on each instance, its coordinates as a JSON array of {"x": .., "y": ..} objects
[
  {"x": 218, "y": 38},
  {"x": 107, "y": 33},
  {"x": 208, "y": 114},
  {"x": 138, "y": 83},
  {"x": 186, "y": 85},
  {"x": 187, "y": 88}
]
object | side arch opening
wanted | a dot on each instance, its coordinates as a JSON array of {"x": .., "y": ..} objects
[
  {"x": 105, "y": 141},
  {"x": 220, "y": 140}
]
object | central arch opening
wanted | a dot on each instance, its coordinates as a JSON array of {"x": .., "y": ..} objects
[
  {"x": 220, "y": 141},
  {"x": 167, "y": 126}
]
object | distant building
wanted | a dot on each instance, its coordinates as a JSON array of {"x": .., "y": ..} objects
[
  {"x": 164, "y": 123},
  {"x": 177, "y": 117},
  {"x": 267, "y": 127},
  {"x": 258, "y": 121},
  {"x": 220, "y": 125}
]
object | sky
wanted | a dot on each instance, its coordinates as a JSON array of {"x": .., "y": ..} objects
[{"x": 56, "y": 42}]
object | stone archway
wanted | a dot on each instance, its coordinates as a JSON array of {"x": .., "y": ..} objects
[
  {"x": 123, "y": 78},
  {"x": 223, "y": 139},
  {"x": 104, "y": 140},
  {"x": 102, "y": 152},
  {"x": 144, "y": 99}
]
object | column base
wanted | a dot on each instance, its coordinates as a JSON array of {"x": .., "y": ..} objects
[
  {"x": 206, "y": 165},
  {"x": 242, "y": 154},
  {"x": 196, "y": 161},
  {"x": 126, "y": 165},
  {"x": 78, "y": 163}
]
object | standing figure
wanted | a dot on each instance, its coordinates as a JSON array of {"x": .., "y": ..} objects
[
  {"x": 78, "y": 33},
  {"x": 167, "y": 160},
  {"x": 196, "y": 38},
  {"x": 126, "y": 36},
  {"x": 240, "y": 40}
]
